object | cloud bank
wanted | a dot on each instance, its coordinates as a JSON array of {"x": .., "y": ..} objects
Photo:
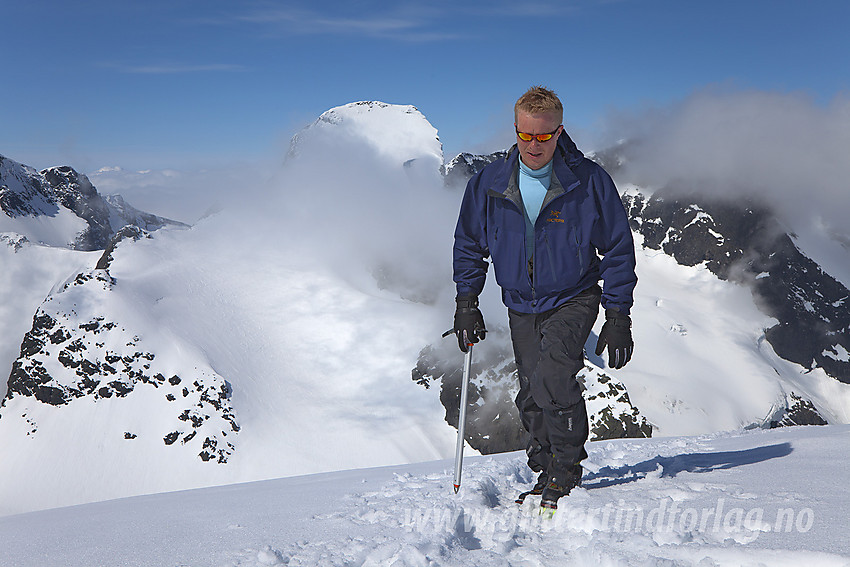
[
  {"x": 368, "y": 204},
  {"x": 782, "y": 148}
]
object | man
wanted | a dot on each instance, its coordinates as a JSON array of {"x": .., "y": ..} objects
[{"x": 553, "y": 224}]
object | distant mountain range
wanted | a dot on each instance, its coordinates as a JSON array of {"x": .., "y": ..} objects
[{"x": 61, "y": 207}]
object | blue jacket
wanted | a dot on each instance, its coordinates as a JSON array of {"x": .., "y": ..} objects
[{"x": 582, "y": 218}]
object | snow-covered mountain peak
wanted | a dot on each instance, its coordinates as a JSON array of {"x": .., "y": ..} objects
[
  {"x": 399, "y": 132},
  {"x": 29, "y": 209},
  {"x": 61, "y": 207}
]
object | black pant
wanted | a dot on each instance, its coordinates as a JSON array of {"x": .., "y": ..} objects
[{"x": 549, "y": 351}]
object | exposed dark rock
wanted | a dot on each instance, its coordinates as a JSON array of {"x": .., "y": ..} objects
[
  {"x": 120, "y": 388},
  {"x": 463, "y": 166},
  {"x": 611, "y": 413},
  {"x": 798, "y": 411},
  {"x": 14, "y": 241},
  {"x": 75, "y": 349},
  {"x": 25, "y": 192},
  {"x": 743, "y": 242},
  {"x": 132, "y": 232},
  {"x": 74, "y": 191}
]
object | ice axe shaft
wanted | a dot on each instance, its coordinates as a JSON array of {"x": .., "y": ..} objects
[{"x": 461, "y": 423}]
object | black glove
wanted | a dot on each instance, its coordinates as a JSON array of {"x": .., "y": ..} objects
[
  {"x": 617, "y": 334},
  {"x": 469, "y": 323}
]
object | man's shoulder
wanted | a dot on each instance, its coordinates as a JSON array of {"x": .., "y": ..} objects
[
  {"x": 495, "y": 172},
  {"x": 591, "y": 172}
]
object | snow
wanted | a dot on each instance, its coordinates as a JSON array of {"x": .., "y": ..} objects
[
  {"x": 59, "y": 229},
  {"x": 715, "y": 373},
  {"x": 774, "y": 497},
  {"x": 55, "y": 226},
  {"x": 314, "y": 337},
  {"x": 838, "y": 352},
  {"x": 27, "y": 275},
  {"x": 398, "y": 138}
]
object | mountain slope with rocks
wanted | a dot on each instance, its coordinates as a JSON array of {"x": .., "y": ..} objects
[
  {"x": 744, "y": 242},
  {"x": 71, "y": 357},
  {"x": 59, "y": 206}
]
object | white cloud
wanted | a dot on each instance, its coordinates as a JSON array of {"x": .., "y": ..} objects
[
  {"x": 404, "y": 23},
  {"x": 782, "y": 148},
  {"x": 177, "y": 68},
  {"x": 183, "y": 195}
]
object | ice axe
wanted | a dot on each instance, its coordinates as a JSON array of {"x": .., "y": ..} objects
[{"x": 461, "y": 423}]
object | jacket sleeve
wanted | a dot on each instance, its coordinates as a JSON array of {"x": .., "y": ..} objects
[
  {"x": 470, "y": 245},
  {"x": 612, "y": 238}
]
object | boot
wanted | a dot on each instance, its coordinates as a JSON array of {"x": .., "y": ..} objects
[
  {"x": 542, "y": 481},
  {"x": 559, "y": 484}
]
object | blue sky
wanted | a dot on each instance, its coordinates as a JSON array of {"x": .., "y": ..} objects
[{"x": 157, "y": 84}]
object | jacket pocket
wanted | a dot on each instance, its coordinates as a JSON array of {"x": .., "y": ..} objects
[
  {"x": 508, "y": 253},
  {"x": 564, "y": 258}
]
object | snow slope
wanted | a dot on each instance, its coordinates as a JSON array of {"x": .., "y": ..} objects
[
  {"x": 315, "y": 387},
  {"x": 701, "y": 362},
  {"x": 28, "y": 273},
  {"x": 773, "y": 498}
]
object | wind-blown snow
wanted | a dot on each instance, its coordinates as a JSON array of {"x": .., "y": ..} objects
[
  {"x": 294, "y": 297},
  {"x": 773, "y": 498}
]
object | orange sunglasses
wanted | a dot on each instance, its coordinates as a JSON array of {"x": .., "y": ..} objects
[{"x": 540, "y": 137}]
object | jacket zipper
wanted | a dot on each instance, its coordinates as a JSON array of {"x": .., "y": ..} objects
[
  {"x": 549, "y": 250},
  {"x": 578, "y": 246}
]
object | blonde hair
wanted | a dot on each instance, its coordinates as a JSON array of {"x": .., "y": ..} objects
[{"x": 537, "y": 100}]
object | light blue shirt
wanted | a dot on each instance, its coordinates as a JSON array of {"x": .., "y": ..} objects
[{"x": 533, "y": 185}]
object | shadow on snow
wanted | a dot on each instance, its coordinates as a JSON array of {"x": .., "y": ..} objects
[{"x": 689, "y": 462}]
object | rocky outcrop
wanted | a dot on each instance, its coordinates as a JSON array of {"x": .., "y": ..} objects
[
  {"x": 25, "y": 192},
  {"x": 742, "y": 241},
  {"x": 797, "y": 411},
  {"x": 14, "y": 241},
  {"x": 75, "y": 192},
  {"x": 464, "y": 165},
  {"x": 73, "y": 356}
]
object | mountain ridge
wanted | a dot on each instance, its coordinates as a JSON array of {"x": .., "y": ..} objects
[{"x": 60, "y": 191}]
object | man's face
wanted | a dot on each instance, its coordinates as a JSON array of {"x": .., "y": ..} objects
[{"x": 535, "y": 154}]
